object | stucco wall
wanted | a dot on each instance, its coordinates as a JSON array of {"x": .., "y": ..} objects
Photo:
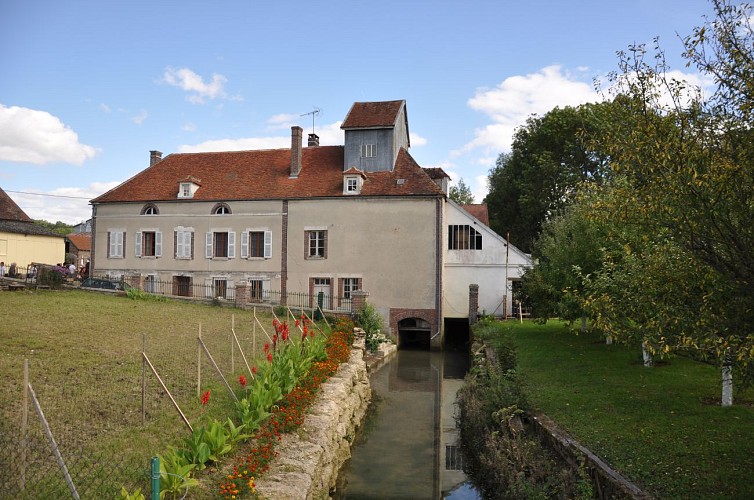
[
  {"x": 23, "y": 249},
  {"x": 485, "y": 267}
]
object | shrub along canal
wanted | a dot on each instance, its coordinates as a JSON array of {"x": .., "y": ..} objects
[{"x": 408, "y": 444}]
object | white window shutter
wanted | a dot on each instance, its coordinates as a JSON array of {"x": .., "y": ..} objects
[
  {"x": 268, "y": 244},
  {"x": 138, "y": 244},
  {"x": 120, "y": 238},
  {"x": 231, "y": 245},
  {"x": 158, "y": 244},
  {"x": 208, "y": 252},
  {"x": 111, "y": 237},
  {"x": 187, "y": 244},
  {"x": 244, "y": 244}
]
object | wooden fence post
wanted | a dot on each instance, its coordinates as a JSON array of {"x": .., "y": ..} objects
[{"x": 24, "y": 425}]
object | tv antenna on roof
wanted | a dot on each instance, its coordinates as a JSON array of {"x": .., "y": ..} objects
[{"x": 313, "y": 113}]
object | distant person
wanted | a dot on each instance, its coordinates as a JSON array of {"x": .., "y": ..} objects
[
  {"x": 72, "y": 269},
  {"x": 85, "y": 275},
  {"x": 2, "y": 269}
]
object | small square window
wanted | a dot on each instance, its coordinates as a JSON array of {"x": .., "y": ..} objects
[
  {"x": 352, "y": 184},
  {"x": 368, "y": 150},
  {"x": 316, "y": 244},
  {"x": 185, "y": 190}
]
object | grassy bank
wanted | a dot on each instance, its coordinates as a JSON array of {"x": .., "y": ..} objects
[
  {"x": 84, "y": 351},
  {"x": 662, "y": 427}
]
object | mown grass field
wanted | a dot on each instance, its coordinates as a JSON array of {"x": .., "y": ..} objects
[
  {"x": 662, "y": 427},
  {"x": 84, "y": 351}
]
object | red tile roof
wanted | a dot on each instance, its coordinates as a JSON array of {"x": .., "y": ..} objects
[
  {"x": 264, "y": 175},
  {"x": 373, "y": 114},
  {"x": 10, "y": 211},
  {"x": 436, "y": 172},
  {"x": 82, "y": 241},
  {"x": 478, "y": 210}
]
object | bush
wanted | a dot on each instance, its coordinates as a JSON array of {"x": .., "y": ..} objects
[
  {"x": 371, "y": 322},
  {"x": 502, "y": 458}
]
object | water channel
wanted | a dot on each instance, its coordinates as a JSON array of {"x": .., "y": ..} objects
[{"x": 407, "y": 447}]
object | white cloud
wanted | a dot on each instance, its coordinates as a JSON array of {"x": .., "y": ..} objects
[
  {"x": 417, "y": 140},
  {"x": 241, "y": 144},
  {"x": 33, "y": 136},
  {"x": 518, "y": 97},
  {"x": 104, "y": 108},
  {"x": 139, "y": 118},
  {"x": 66, "y": 204},
  {"x": 194, "y": 84},
  {"x": 281, "y": 121},
  {"x": 189, "y": 127},
  {"x": 329, "y": 135}
]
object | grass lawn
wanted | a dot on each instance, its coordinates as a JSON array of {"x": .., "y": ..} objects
[
  {"x": 662, "y": 427},
  {"x": 84, "y": 352}
]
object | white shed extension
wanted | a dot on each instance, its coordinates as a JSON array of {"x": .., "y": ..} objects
[{"x": 475, "y": 254}]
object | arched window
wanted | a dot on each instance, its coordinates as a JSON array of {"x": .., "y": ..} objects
[
  {"x": 221, "y": 209},
  {"x": 150, "y": 210}
]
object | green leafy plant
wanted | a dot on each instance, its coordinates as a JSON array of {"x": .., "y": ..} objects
[
  {"x": 136, "y": 495},
  {"x": 175, "y": 475},
  {"x": 235, "y": 432}
]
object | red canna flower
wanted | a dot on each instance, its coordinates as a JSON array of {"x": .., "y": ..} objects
[
  {"x": 266, "y": 347},
  {"x": 205, "y": 398},
  {"x": 242, "y": 380},
  {"x": 254, "y": 370},
  {"x": 269, "y": 357}
]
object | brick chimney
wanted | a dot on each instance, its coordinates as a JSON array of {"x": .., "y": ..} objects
[
  {"x": 313, "y": 140},
  {"x": 154, "y": 157},
  {"x": 296, "y": 139}
]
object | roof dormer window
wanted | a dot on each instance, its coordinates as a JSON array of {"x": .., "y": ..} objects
[
  {"x": 353, "y": 180},
  {"x": 185, "y": 191},
  {"x": 187, "y": 188}
]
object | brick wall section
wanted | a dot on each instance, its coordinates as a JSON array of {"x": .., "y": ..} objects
[
  {"x": 428, "y": 315},
  {"x": 242, "y": 294},
  {"x": 358, "y": 301},
  {"x": 473, "y": 303},
  {"x": 135, "y": 280}
]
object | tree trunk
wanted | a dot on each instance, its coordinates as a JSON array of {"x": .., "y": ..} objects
[
  {"x": 727, "y": 380},
  {"x": 583, "y": 323},
  {"x": 646, "y": 355}
]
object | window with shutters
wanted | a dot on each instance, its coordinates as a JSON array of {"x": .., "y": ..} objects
[
  {"x": 221, "y": 245},
  {"x": 115, "y": 243},
  {"x": 183, "y": 243},
  {"x": 148, "y": 244},
  {"x": 256, "y": 244}
]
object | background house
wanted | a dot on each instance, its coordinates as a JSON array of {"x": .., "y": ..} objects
[
  {"x": 22, "y": 242},
  {"x": 319, "y": 221}
]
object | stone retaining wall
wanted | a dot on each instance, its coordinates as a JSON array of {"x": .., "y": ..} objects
[{"x": 307, "y": 462}]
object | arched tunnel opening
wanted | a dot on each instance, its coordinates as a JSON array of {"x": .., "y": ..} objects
[{"x": 414, "y": 333}]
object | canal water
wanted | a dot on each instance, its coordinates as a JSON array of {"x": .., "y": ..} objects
[{"x": 407, "y": 447}]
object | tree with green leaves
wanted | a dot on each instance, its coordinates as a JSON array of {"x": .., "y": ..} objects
[
  {"x": 689, "y": 160},
  {"x": 550, "y": 156},
  {"x": 461, "y": 193},
  {"x": 568, "y": 249}
]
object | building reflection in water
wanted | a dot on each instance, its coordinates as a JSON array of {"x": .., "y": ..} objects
[{"x": 407, "y": 447}]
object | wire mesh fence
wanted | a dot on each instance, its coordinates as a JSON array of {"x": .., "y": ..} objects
[{"x": 109, "y": 413}]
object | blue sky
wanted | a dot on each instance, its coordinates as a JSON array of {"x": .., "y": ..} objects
[{"x": 88, "y": 88}]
